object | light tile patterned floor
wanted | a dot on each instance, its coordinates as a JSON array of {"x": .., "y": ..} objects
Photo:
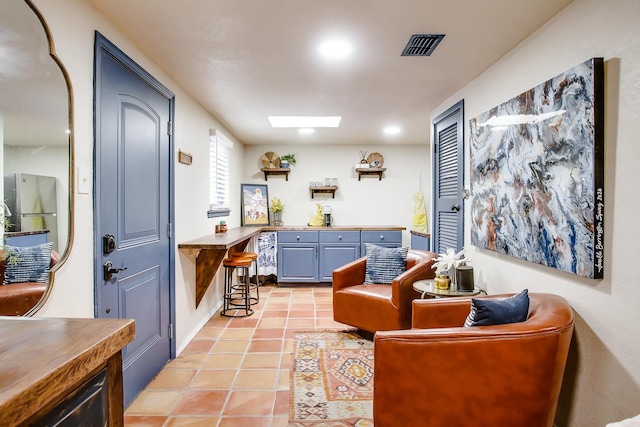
[{"x": 235, "y": 372}]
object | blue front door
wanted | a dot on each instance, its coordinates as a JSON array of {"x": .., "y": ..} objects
[{"x": 133, "y": 209}]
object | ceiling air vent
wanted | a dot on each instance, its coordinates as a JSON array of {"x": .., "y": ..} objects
[{"x": 422, "y": 44}]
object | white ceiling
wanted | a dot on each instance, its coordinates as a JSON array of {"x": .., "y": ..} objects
[{"x": 246, "y": 60}]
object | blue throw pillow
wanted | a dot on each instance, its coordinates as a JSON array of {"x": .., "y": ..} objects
[
  {"x": 27, "y": 264},
  {"x": 485, "y": 312},
  {"x": 384, "y": 264}
]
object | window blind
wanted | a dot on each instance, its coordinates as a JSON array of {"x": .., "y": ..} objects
[{"x": 219, "y": 157}]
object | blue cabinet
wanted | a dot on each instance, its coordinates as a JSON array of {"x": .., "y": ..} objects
[
  {"x": 420, "y": 241},
  {"x": 22, "y": 239},
  {"x": 310, "y": 256},
  {"x": 298, "y": 256},
  {"x": 337, "y": 248}
]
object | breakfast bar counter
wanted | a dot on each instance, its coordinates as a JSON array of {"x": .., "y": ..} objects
[{"x": 212, "y": 249}]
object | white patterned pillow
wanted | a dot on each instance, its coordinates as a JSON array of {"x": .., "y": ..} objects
[
  {"x": 27, "y": 264},
  {"x": 384, "y": 264}
]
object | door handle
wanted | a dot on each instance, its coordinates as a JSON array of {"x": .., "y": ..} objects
[
  {"x": 455, "y": 207},
  {"x": 109, "y": 270}
]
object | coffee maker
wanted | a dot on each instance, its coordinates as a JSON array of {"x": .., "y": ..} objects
[{"x": 328, "y": 217}]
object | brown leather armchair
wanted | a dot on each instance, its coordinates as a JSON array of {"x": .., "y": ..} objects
[
  {"x": 449, "y": 375},
  {"x": 379, "y": 307},
  {"x": 17, "y": 299}
]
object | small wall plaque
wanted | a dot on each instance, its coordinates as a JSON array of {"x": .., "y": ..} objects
[{"x": 185, "y": 158}]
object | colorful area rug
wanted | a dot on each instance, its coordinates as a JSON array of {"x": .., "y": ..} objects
[{"x": 331, "y": 380}]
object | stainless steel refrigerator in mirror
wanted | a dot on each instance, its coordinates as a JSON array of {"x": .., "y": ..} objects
[{"x": 32, "y": 201}]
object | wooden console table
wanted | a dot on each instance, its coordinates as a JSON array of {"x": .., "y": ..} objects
[
  {"x": 212, "y": 250},
  {"x": 62, "y": 371}
]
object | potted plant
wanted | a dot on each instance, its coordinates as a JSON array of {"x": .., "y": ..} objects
[
  {"x": 287, "y": 159},
  {"x": 277, "y": 207}
]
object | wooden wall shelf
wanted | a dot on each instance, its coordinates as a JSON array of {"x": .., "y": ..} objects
[
  {"x": 323, "y": 190},
  {"x": 276, "y": 171},
  {"x": 370, "y": 171}
]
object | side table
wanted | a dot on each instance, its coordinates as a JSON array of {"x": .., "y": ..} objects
[{"x": 426, "y": 287}]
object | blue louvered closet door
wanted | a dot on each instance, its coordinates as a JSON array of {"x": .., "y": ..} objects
[{"x": 448, "y": 179}]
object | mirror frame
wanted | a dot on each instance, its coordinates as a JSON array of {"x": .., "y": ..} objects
[{"x": 65, "y": 254}]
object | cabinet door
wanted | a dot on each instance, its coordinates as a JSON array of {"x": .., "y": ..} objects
[
  {"x": 334, "y": 256},
  {"x": 298, "y": 262},
  {"x": 420, "y": 242}
]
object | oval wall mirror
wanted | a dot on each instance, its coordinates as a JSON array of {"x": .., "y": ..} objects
[{"x": 35, "y": 157}]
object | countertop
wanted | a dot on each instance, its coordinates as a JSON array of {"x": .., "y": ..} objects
[
  {"x": 419, "y": 233},
  {"x": 42, "y": 359},
  {"x": 24, "y": 233},
  {"x": 240, "y": 234}
]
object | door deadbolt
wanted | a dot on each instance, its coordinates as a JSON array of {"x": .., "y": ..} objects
[
  {"x": 108, "y": 244},
  {"x": 109, "y": 270}
]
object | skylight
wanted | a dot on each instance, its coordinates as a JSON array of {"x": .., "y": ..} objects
[
  {"x": 391, "y": 130},
  {"x": 305, "y": 121},
  {"x": 335, "y": 49}
]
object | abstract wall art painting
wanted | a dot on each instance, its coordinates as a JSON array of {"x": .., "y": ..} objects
[{"x": 537, "y": 175}]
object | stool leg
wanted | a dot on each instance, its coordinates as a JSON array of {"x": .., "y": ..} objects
[
  {"x": 247, "y": 295},
  {"x": 255, "y": 263},
  {"x": 228, "y": 281}
]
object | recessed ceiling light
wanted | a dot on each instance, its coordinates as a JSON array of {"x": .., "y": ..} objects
[
  {"x": 305, "y": 121},
  {"x": 306, "y": 130},
  {"x": 335, "y": 49},
  {"x": 391, "y": 130}
]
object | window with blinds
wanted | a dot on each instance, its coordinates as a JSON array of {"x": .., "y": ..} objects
[{"x": 219, "y": 159}]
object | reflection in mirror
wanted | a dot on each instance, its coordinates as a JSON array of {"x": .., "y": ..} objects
[{"x": 35, "y": 161}]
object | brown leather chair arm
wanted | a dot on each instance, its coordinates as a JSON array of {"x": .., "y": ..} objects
[
  {"x": 349, "y": 274},
  {"x": 440, "y": 313},
  {"x": 402, "y": 286},
  {"x": 55, "y": 258}
]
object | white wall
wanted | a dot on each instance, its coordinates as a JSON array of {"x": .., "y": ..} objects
[
  {"x": 603, "y": 375},
  {"x": 366, "y": 202},
  {"x": 72, "y": 24}
]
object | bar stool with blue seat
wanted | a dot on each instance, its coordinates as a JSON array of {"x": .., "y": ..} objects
[
  {"x": 254, "y": 258},
  {"x": 237, "y": 301}
]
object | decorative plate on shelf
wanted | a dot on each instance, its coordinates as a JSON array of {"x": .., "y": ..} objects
[
  {"x": 270, "y": 160},
  {"x": 375, "y": 160}
]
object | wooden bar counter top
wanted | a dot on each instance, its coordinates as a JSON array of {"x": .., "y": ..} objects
[{"x": 45, "y": 363}]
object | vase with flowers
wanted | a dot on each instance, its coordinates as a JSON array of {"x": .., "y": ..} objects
[
  {"x": 445, "y": 266},
  {"x": 277, "y": 207}
]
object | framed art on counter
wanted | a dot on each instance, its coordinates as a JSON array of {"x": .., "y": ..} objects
[{"x": 254, "y": 202}]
